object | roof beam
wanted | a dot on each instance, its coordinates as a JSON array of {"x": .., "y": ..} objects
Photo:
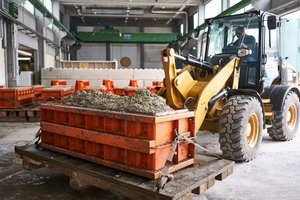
[{"x": 131, "y": 3}]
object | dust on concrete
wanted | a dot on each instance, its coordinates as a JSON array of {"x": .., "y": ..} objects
[{"x": 142, "y": 101}]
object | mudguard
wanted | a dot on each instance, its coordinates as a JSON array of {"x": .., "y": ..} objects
[{"x": 277, "y": 95}]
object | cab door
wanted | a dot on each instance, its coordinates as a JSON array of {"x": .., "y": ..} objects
[{"x": 289, "y": 50}]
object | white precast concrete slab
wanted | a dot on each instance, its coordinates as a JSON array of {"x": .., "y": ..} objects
[
  {"x": 46, "y": 82},
  {"x": 26, "y": 78},
  {"x": 49, "y": 61},
  {"x": 148, "y": 74}
]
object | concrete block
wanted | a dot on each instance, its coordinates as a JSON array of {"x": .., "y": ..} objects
[
  {"x": 147, "y": 83},
  {"x": 120, "y": 74},
  {"x": 95, "y": 83},
  {"x": 143, "y": 74},
  {"x": 140, "y": 83},
  {"x": 121, "y": 83},
  {"x": 46, "y": 82}
]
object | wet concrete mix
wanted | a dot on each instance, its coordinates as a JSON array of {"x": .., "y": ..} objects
[{"x": 142, "y": 101}]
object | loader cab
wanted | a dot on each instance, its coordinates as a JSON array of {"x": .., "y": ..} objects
[{"x": 254, "y": 31}]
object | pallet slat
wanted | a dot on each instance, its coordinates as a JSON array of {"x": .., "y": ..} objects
[{"x": 196, "y": 178}]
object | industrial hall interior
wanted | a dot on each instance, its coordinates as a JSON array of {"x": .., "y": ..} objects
[{"x": 149, "y": 99}]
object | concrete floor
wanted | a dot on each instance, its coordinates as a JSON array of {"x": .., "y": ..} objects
[{"x": 274, "y": 174}]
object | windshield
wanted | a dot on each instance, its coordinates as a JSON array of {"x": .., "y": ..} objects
[{"x": 228, "y": 34}]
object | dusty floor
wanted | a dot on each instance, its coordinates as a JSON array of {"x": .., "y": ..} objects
[{"x": 274, "y": 174}]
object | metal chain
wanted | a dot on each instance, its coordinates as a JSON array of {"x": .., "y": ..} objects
[{"x": 164, "y": 175}]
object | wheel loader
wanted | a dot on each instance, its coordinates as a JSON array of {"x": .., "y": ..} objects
[{"x": 240, "y": 87}]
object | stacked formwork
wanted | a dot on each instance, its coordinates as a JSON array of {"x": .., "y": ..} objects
[{"x": 16, "y": 97}]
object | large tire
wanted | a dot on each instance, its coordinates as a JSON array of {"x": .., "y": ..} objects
[
  {"x": 286, "y": 122},
  {"x": 241, "y": 126}
]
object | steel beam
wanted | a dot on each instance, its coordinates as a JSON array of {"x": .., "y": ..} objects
[
  {"x": 97, "y": 21},
  {"x": 117, "y": 37}
]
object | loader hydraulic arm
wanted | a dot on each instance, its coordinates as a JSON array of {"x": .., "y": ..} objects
[{"x": 181, "y": 86}]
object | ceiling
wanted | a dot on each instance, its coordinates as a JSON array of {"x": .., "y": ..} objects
[{"x": 126, "y": 9}]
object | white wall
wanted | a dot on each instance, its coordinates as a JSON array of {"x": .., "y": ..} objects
[
  {"x": 131, "y": 51},
  {"x": 26, "y": 18},
  {"x": 27, "y": 41},
  {"x": 152, "y": 55},
  {"x": 2, "y": 65},
  {"x": 92, "y": 51}
]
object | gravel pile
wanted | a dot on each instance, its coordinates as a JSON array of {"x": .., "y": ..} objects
[{"x": 142, "y": 101}]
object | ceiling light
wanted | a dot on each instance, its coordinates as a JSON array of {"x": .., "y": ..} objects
[
  {"x": 24, "y": 53},
  {"x": 24, "y": 58}
]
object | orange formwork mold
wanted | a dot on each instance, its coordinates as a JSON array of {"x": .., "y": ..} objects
[
  {"x": 16, "y": 97},
  {"x": 81, "y": 84},
  {"x": 109, "y": 84},
  {"x": 56, "y": 93},
  {"x": 133, "y": 83},
  {"x": 3, "y": 86},
  {"x": 136, "y": 143},
  {"x": 37, "y": 89},
  {"x": 58, "y": 82},
  {"x": 130, "y": 91},
  {"x": 119, "y": 91},
  {"x": 91, "y": 88}
]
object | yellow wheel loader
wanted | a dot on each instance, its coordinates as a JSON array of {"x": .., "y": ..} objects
[{"x": 240, "y": 87}]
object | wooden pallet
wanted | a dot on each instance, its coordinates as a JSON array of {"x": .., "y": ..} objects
[
  {"x": 25, "y": 114},
  {"x": 195, "y": 179}
]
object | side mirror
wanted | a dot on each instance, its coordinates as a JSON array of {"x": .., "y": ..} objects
[{"x": 272, "y": 22}]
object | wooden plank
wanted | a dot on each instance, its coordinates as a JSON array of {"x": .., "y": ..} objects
[
  {"x": 22, "y": 114},
  {"x": 135, "y": 187},
  {"x": 225, "y": 174},
  {"x": 30, "y": 113},
  {"x": 3, "y": 114},
  {"x": 205, "y": 186}
]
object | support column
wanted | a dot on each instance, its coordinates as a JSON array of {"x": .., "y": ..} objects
[
  {"x": 190, "y": 23},
  {"x": 73, "y": 53},
  {"x": 57, "y": 32},
  {"x": 12, "y": 62},
  {"x": 40, "y": 55},
  {"x": 142, "y": 50},
  {"x": 108, "y": 51}
]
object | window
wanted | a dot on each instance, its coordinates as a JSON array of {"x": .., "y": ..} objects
[
  {"x": 29, "y": 7},
  {"x": 48, "y": 5},
  {"x": 222, "y": 38},
  {"x": 212, "y": 9},
  {"x": 196, "y": 20},
  {"x": 247, "y": 8},
  {"x": 181, "y": 29},
  {"x": 233, "y": 2},
  {"x": 294, "y": 15}
]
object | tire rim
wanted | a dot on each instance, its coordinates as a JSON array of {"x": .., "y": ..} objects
[
  {"x": 252, "y": 130},
  {"x": 291, "y": 116}
]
